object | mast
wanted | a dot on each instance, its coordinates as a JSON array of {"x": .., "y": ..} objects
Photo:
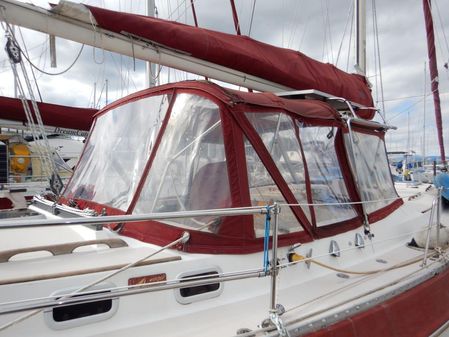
[
  {"x": 434, "y": 74},
  {"x": 360, "y": 36}
]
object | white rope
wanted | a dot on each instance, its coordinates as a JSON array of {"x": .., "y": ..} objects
[
  {"x": 333, "y": 292},
  {"x": 339, "y": 304}
]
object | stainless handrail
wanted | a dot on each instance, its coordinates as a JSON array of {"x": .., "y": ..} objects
[
  {"x": 105, "y": 294},
  {"x": 130, "y": 218}
]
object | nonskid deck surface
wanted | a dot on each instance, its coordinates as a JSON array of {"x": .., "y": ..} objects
[{"x": 51, "y": 253}]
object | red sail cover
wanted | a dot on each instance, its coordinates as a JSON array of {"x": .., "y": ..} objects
[
  {"x": 52, "y": 114},
  {"x": 434, "y": 74},
  {"x": 283, "y": 66}
]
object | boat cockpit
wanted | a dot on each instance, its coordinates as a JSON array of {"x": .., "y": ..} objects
[{"x": 196, "y": 146}]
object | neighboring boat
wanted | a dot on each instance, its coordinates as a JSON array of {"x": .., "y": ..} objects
[
  {"x": 198, "y": 210},
  {"x": 23, "y": 173},
  {"x": 441, "y": 180}
]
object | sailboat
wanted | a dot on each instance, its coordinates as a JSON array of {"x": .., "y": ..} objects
[{"x": 200, "y": 210}]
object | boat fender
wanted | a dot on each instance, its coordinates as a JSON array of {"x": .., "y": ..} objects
[
  {"x": 294, "y": 257},
  {"x": 21, "y": 158}
]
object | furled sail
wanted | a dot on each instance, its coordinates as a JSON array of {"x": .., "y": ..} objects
[
  {"x": 287, "y": 67},
  {"x": 54, "y": 115}
]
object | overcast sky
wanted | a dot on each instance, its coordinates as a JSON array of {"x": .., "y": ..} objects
[{"x": 316, "y": 28}]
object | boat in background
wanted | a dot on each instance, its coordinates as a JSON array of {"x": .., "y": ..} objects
[
  {"x": 22, "y": 172},
  {"x": 442, "y": 181}
]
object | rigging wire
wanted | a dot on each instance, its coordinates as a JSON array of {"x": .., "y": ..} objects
[
  {"x": 350, "y": 42},
  {"x": 442, "y": 27},
  {"x": 351, "y": 8},
  {"x": 252, "y": 17},
  {"x": 43, "y": 55},
  {"x": 295, "y": 25},
  {"x": 31, "y": 109},
  {"x": 327, "y": 40},
  {"x": 375, "y": 76},
  {"x": 328, "y": 26},
  {"x": 32, "y": 70},
  {"x": 301, "y": 41},
  {"x": 186, "y": 7},
  {"x": 324, "y": 50},
  {"x": 411, "y": 106},
  {"x": 414, "y": 96},
  {"x": 376, "y": 34}
]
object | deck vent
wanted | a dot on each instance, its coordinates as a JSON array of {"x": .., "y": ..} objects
[{"x": 199, "y": 292}]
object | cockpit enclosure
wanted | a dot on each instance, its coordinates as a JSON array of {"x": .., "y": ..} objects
[{"x": 196, "y": 146}]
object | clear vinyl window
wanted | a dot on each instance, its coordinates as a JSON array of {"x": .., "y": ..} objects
[
  {"x": 117, "y": 151},
  {"x": 326, "y": 179},
  {"x": 373, "y": 173},
  {"x": 189, "y": 171},
  {"x": 264, "y": 191},
  {"x": 277, "y": 132}
]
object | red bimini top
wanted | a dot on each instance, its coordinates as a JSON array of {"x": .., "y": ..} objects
[
  {"x": 196, "y": 146},
  {"x": 286, "y": 67}
]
